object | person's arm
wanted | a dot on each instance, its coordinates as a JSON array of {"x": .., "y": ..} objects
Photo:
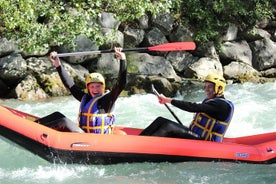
[
  {"x": 217, "y": 109},
  {"x": 120, "y": 84},
  {"x": 65, "y": 78}
]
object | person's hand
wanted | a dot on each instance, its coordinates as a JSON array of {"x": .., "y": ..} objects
[
  {"x": 119, "y": 53},
  {"x": 55, "y": 60},
  {"x": 163, "y": 99}
]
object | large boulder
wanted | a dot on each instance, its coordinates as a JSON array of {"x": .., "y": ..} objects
[
  {"x": 145, "y": 64},
  {"x": 202, "y": 67},
  {"x": 180, "y": 34},
  {"x": 13, "y": 68},
  {"x": 240, "y": 71},
  {"x": 180, "y": 60},
  {"x": 133, "y": 37},
  {"x": 7, "y": 47},
  {"x": 28, "y": 89},
  {"x": 164, "y": 23},
  {"x": 82, "y": 43},
  {"x": 236, "y": 51},
  {"x": 264, "y": 54},
  {"x": 107, "y": 20},
  {"x": 155, "y": 37}
]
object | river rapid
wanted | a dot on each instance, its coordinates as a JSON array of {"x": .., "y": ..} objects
[{"x": 255, "y": 106}]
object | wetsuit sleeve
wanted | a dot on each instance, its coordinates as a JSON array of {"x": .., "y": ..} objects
[
  {"x": 69, "y": 83},
  {"x": 218, "y": 109},
  {"x": 109, "y": 100}
]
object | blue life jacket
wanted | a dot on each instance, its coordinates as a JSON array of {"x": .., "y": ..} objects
[
  {"x": 209, "y": 128},
  {"x": 92, "y": 119}
]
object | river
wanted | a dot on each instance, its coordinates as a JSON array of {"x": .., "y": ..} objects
[{"x": 255, "y": 106}]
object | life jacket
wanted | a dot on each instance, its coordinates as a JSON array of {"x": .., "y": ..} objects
[
  {"x": 209, "y": 128},
  {"x": 92, "y": 119}
]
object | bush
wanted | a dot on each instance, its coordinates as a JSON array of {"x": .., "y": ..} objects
[
  {"x": 40, "y": 24},
  {"x": 37, "y": 24},
  {"x": 210, "y": 19}
]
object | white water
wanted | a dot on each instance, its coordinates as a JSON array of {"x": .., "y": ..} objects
[{"x": 255, "y": 106}]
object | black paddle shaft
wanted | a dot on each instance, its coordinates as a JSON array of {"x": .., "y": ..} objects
[{"x": 157, "y": 94}]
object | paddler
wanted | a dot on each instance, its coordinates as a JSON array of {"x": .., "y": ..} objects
[
  {"x": 211, "y": 120},
  {"x": 96, "y": 105}
]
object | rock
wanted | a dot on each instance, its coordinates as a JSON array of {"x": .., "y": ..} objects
[
  {"x": 4, "y": 88},
  {"x": 207, "y": 50},
  {"x": 37, "y": 66},
  {"x": 162, "y": 85},
  {"x": 240, "y": 71},
  {"x": 269, "y": 73},
  {"x": 107, "y": 20},
  {"x": 146, "y": 64},
  {"x": 231, "y": 33},
  {"x": 108, "y": 64},
  {"x": 245, "y": 56},
  {"x": 201, "y": 68},
  {"x": 52, "y": 85},
  {"x": 236, "y": 51},
  {"x": 155, "y": 37},
  {"x": 164, "y": 23},
  {"x": 82, "y": 44},
  {"x": 264, "y": 54},
  {"x": 13, "y": 68},
  {"x": 115, "y": 38},
  {"x": 255, "y": 34},
  {"x": 48, "y": 79},
  {"x": 144, "y": 22},
  {"x": 7, "y": 47},
  {"x": 28, "y": 89},
  {"x": 181, "y": 34},
  {"x": 133, "y": 37},
  {"x": 180, "y": 60},
  {"x": 77, "y": 72}
]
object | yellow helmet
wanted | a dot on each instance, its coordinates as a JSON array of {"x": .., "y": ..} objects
[
  {"x": 219, "y": 81},
  {"x": 95, "y": 77}
]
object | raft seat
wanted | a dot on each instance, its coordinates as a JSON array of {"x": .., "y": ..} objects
[{"x": 59, "y": 122}]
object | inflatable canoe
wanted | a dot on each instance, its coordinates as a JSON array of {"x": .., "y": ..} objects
[{"x": 59, "y": 144}]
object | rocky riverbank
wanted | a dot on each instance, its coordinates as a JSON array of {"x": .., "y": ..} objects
[{"x": 242, "y": 57}]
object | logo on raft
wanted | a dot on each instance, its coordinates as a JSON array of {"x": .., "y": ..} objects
[
  {"x": 243, "y": 155},
  {"x": 80, "y": 144}
]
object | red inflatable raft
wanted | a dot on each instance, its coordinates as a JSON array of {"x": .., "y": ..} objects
[{"x": 68, "y": 146}]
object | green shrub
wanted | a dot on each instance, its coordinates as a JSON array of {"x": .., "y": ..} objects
[{"x": 39, "y": 24}]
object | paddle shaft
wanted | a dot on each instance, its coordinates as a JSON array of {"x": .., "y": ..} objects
[
  {"x": 99, "y": 52},
  {"x": 178, "y": 120},
  {"x": 157, "y": 94},
  {"x": 166, "y": 47}
]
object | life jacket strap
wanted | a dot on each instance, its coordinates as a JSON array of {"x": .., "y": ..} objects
[{"x": 207, "y": 130}]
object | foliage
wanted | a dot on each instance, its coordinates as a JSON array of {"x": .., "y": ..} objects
[
  {"x": 209, "y": 19},
  {"x": 39, "y": 24}
]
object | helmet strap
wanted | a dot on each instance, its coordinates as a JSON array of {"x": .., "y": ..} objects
[{"x": 219, "y": 90}]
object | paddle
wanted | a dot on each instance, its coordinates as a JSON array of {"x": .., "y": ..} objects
[
  {"x": 174, "y": 46},
  {"x": 157, "y": 94}
]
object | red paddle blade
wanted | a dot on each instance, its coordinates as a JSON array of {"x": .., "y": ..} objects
[{"x": 174, "y": 46}]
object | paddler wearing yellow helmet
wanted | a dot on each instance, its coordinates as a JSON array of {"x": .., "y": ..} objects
[
  {"x": 218, "y": 81},
  {"x": 96, "y": 106},
  {"x": 211, "y": 120},
  {"x": 95, "y": 84}
]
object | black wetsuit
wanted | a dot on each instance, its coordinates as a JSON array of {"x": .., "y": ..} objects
[
  {"x": 106, "y": 103},
  {"x": 163, "y": 127}
]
